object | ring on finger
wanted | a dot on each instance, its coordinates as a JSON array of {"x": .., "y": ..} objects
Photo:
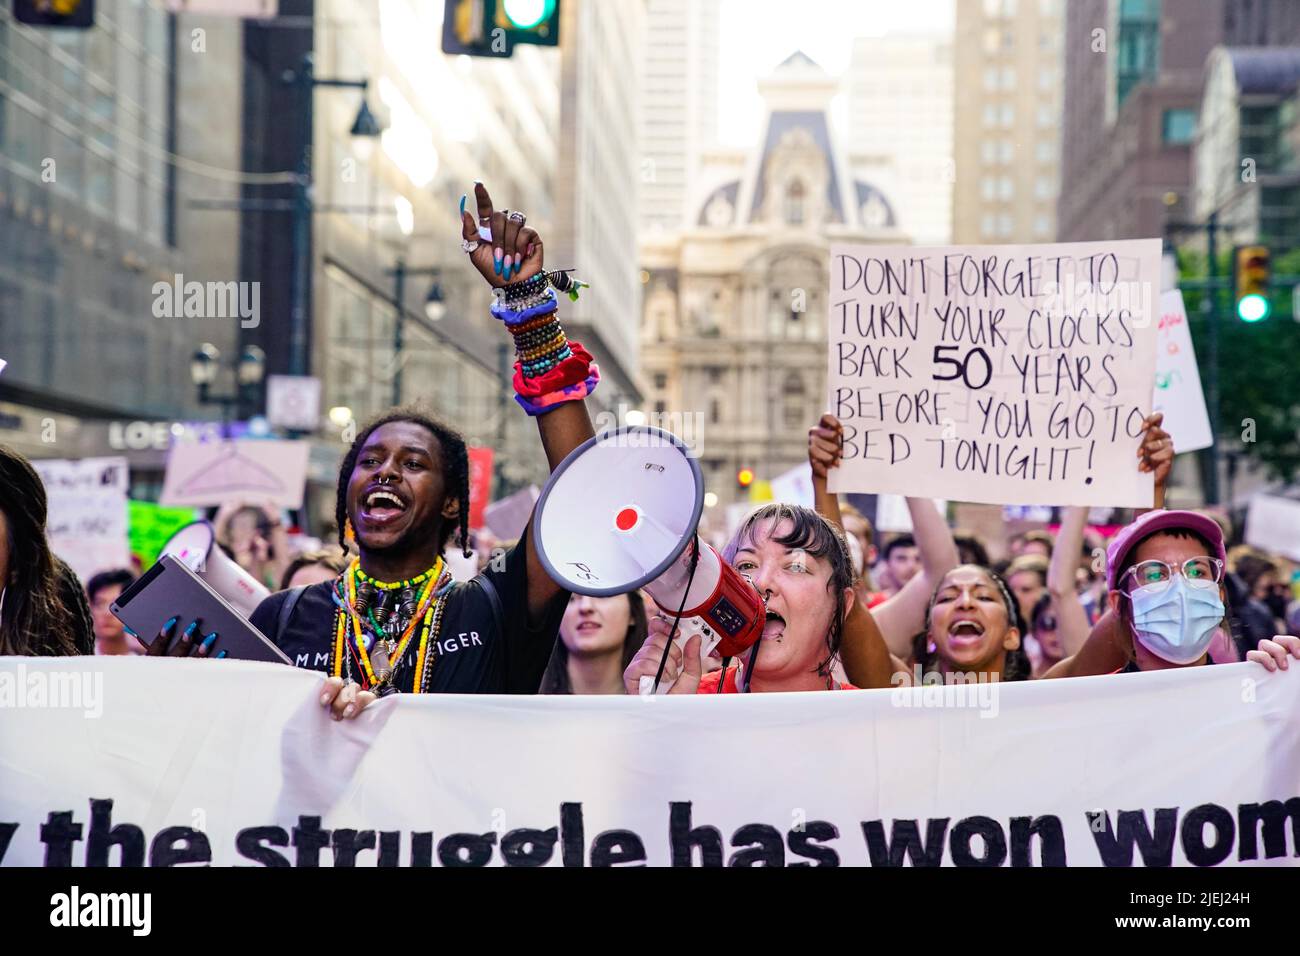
[{"x": 518, "y": 217}]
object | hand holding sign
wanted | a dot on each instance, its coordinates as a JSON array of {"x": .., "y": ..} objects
[
  {"x": 825, "y": 445},
  {"x": 1156, "y": 454}
]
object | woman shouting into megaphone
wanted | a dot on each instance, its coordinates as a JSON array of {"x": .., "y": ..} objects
[{"x": 800, "y": 563}]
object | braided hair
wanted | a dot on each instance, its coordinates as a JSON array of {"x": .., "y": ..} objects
[
  {"x": 1017, "y": 666},
  {"x": 455, "y": 465}
]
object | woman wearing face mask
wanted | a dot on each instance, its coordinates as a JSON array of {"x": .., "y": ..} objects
[
  {"x": 973, "y": 628},
  {"x": 599, "y": 636},
  {"x": 1165, "y": 572},
  {"x": 43, "y": 610},
  {"x": 800, "y": 563}
]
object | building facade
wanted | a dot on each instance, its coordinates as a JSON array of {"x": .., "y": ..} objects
[
  {"x": 678, "y": 116},
  {"x": 1007, "y": 113},
  {"x": 1130, "y": 114},
  {"x": 900, "y": 106},
  {"x": 597, "y": 167},
  {"x": 734, "y": 322},
  {"x": 99, "y": 150}
]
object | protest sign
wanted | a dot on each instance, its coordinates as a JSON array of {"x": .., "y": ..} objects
[
  {"x": 892, "y": 513},
  {"x": 87, "y": 519},
  {"x": 144, "y": 761},
  {"x": 480, "y": 484},
  {"x": 151, "y": 525},
  {"x": 1273, "y": 524},
  {"x": 1178, "y": 381},
  {"x": 794, "y": 487},
  {"x": 212, "y": 473},
  {"x": 999, "y": 374},
  {"x": 508, "y": 517}
]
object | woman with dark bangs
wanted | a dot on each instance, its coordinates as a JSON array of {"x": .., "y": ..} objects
[{"x": 800, "y": 564}]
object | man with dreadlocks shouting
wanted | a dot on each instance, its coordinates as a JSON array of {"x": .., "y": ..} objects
[{"x": 394, "y": 621}]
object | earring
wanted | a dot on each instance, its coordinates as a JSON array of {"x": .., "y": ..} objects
[{"x": 349, "y": 535}]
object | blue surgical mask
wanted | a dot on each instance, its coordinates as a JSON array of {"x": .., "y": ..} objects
[{"x": 1176, "y": 621}]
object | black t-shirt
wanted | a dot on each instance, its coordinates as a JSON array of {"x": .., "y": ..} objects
[{"x": 472, "y": 655}]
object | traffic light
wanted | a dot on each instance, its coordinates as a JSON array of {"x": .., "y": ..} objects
[
  {"x": 56, "y": 13},
  {"x": 745, "y": 477},
  {"x": 1250, "y": 283},
  {"x": 530, "y": 21},
  {"x": 493, "y": 27}
]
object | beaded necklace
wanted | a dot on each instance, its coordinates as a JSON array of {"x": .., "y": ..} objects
[{"x": 378, "y": 649}]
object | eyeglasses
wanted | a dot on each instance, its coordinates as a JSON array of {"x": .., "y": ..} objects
[{"x": 1201, "y": 572}]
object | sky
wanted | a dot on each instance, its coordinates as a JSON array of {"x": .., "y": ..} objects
[{"x": 759, "y": 34}]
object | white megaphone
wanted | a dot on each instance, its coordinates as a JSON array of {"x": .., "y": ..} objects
[
  {"x": 619, "y": 513},
  {"x": 195, "y": 546}
]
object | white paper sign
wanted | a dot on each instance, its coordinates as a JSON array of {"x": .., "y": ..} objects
[
  {"x": 508, "y": 517},
  {"x": 794, "y": 487},
  {"x": 892, "y": 513},
  {"x": 212, "y": 473},
  {"x": 998, "y": 374},
  {"x": 293, "y": 401},
  {"x": 87, "y": 520},
  {"x": 1273, "y": 524},
  {"x": 1153, "y": 769},
  {"x": 1178, "y": 382}
]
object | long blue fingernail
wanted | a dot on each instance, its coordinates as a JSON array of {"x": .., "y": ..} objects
[
  {"x": 220, "y": 654},
  {"x": 170, "y": 624},
  {"x": 462, "y": 207},
  {"x": 209, "y": 641},
  {"x": 189, "y": 631}
]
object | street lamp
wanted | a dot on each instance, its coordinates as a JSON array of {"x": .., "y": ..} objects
[
  {"x": 434, "y": 309},
  {"x": 248, "y": 371},
  {"x": 365, "y": 128}
]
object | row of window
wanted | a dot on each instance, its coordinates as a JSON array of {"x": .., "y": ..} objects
[
  {"x": 1004, "y": 115},
  {"x": 994, "y": 151},
  {"x": 995, "y": 9},
  {"x": 998, "y": 79},
  {"x": 1002, "y": 226},
  {"x": 1004, "y": 188}
]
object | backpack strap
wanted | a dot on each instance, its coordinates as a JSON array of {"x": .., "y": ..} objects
[
  {"x": 291, "y": 599},
  {"x": 494, "y": 597}
]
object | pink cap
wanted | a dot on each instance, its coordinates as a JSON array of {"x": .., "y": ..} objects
[{"x": 1131, "y": 535}]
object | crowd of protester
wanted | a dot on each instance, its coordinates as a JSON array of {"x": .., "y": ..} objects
[{"x": 845, "y": 607}]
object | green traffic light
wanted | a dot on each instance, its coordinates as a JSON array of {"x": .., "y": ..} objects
[
  {"x": 1253, "y": 308},
  {"x": 527, "y": 14}
]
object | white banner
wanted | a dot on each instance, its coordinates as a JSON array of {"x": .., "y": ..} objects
[
  {"x": 237, "y": 763},
  {"x": 999, "y": 374},
  {"x": 87, "y": 519}
]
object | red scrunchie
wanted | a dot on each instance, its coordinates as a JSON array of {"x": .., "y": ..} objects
[{"x": 571, "y": 371}]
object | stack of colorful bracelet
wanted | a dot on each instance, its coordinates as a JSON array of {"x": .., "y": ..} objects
[{"x": 551, "y": 370}]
